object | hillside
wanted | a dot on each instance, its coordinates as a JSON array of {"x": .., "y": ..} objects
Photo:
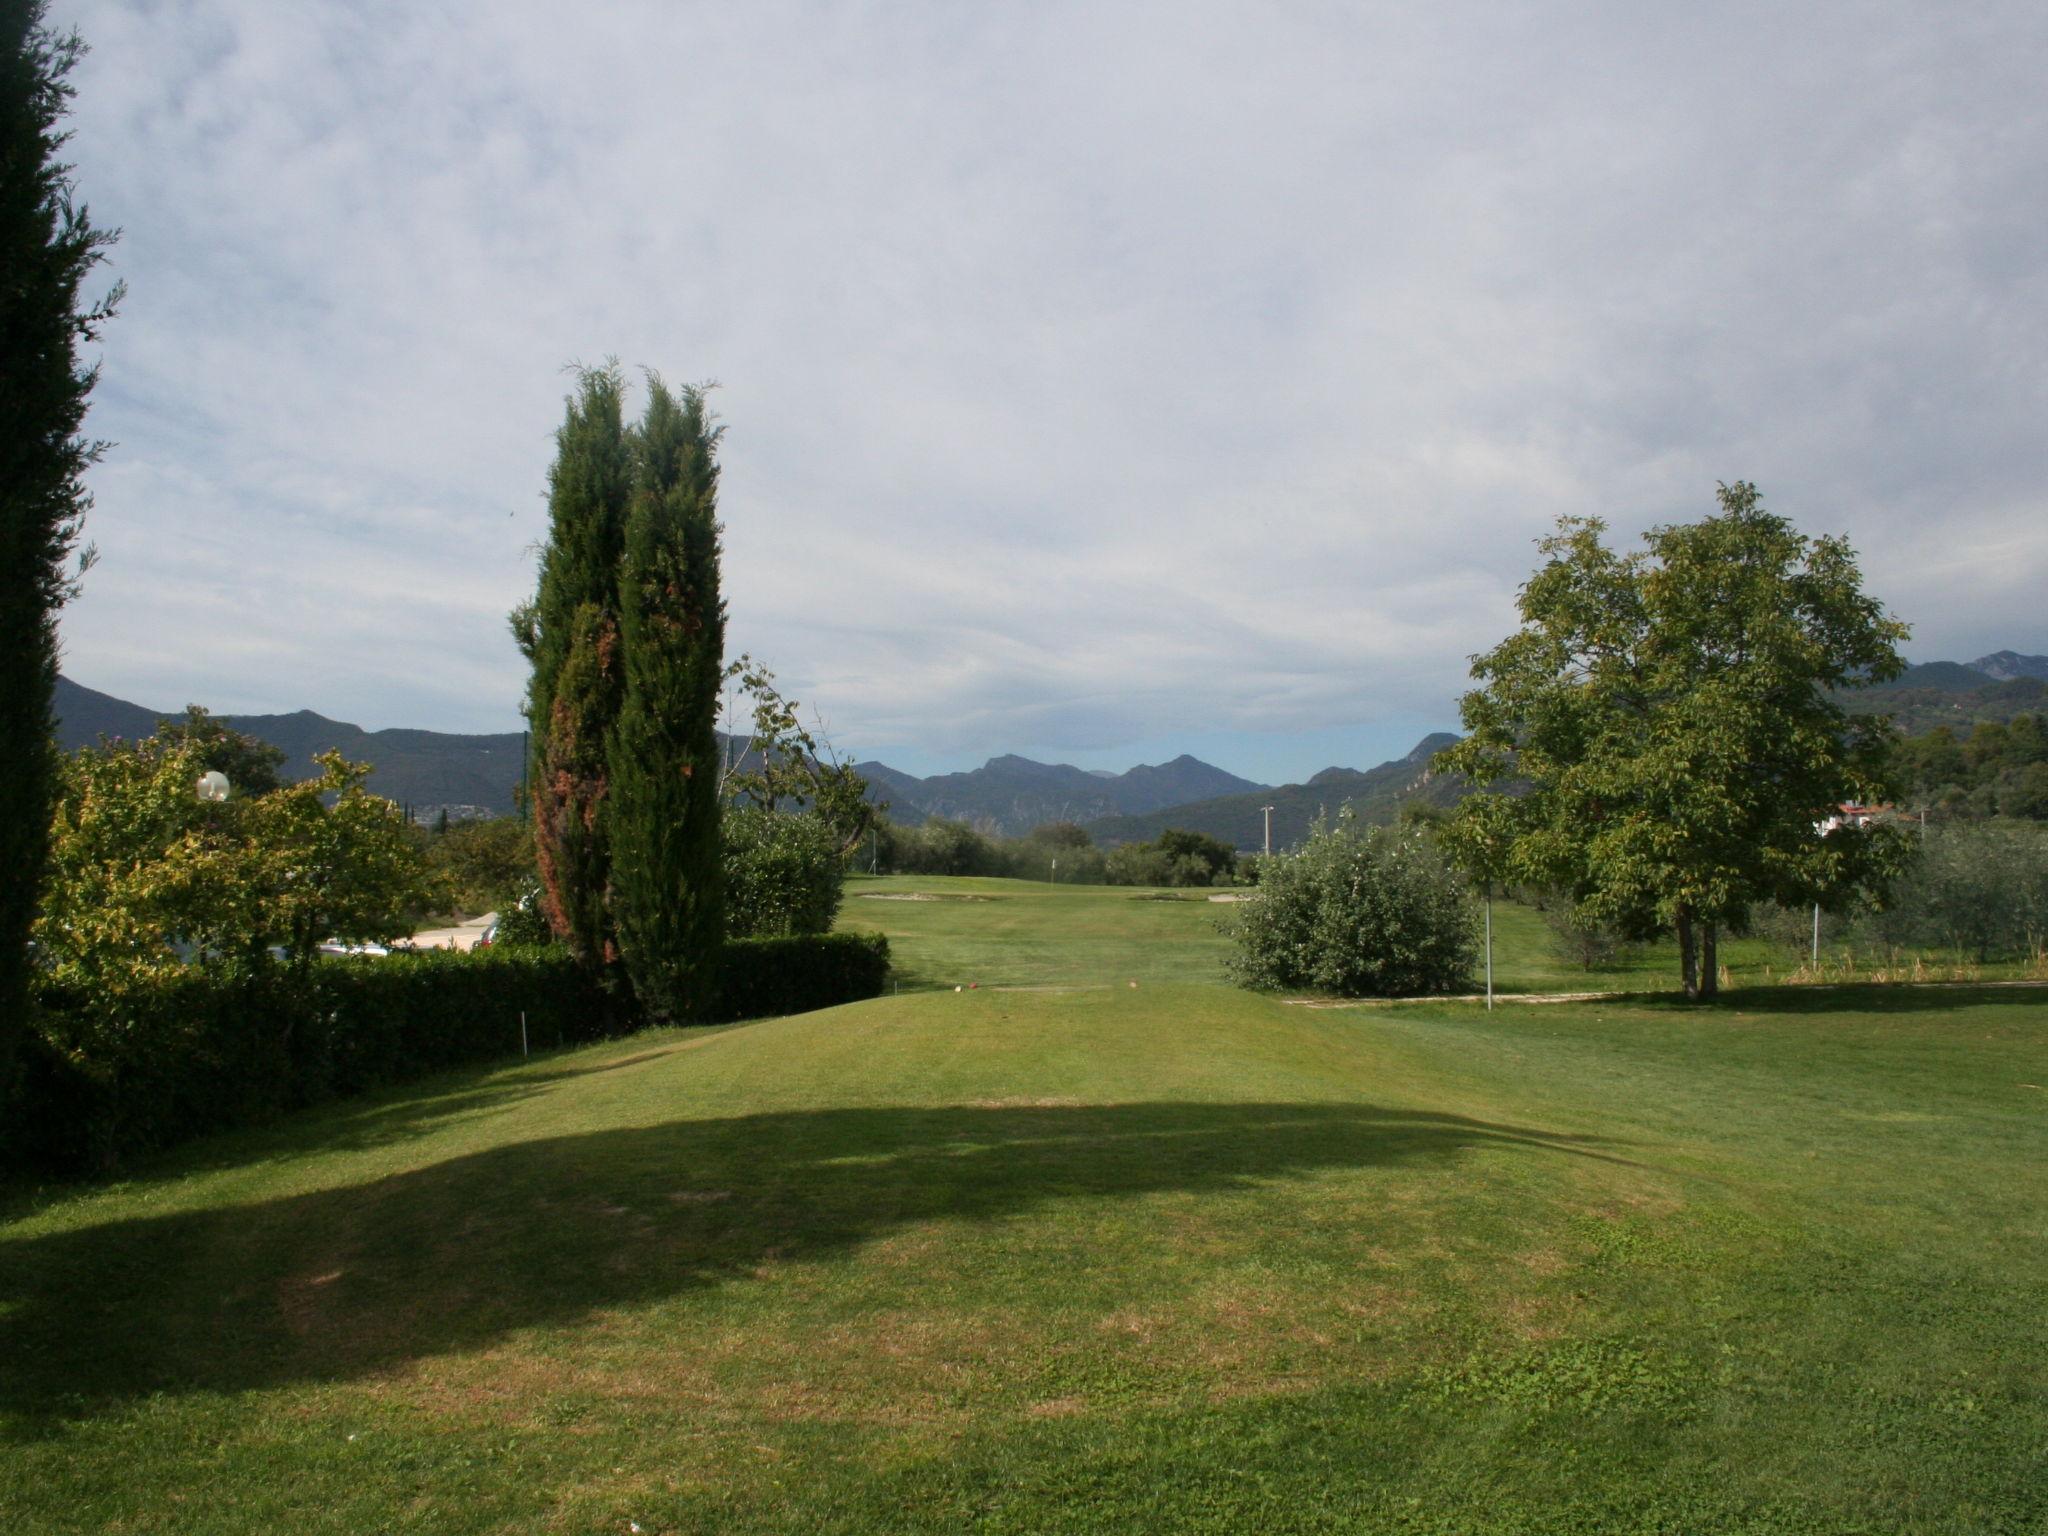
[
  {"x": 428, "y": 770},
  {"x": 1014, "y": 794},
  {"x": 1375, "y": 794},
  {"x": 1948, "y": 693}
]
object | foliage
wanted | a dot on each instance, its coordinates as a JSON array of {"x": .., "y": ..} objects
[
  {"x": 483, "y": 865},
  {"x": 667, "y": 857},
  {"x": 942, "y": 847},
  {"x": 248, "y": 763},
  {"x": 1577, "y": 939},
  {"x": 194, "y": 1049},
  {"x": 781, "y": 760},
  {"x": 143, "y": 871},
  {"x": 1668, "y": 717},
  {"x": 1979, "y": 890},
  {"x": 523, "y": 920},
  {"x": 765, "y": 977},
  {"x": 570, "y": 635},
  {"x": 1175, "y": 858},
  {"x": 782, "y": 872},
  {"x": 48, "y": 246},
  {"x": 1359, "y": 914},
  {"x": 1998, "y": 768}
]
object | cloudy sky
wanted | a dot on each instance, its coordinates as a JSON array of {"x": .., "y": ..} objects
[{"x": 1102, "y": 380}]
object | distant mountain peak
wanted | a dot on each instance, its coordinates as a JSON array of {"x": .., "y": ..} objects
[
  {"x": 1430, "y": 745},
  {"x": 2004, "y": 666}
]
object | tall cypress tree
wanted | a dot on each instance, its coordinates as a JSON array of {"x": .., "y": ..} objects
[
  {"x": 570, "y": 633},
  {"x": 47, "y": 247},
  {"x": 667, "y": 886}
]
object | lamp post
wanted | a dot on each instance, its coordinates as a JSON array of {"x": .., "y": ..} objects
[{"x": 1269, "y": 830}]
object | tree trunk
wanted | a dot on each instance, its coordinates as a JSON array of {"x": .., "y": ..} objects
[
  {"x": 1710, "y": 962},
  {"x": 1688, "y": 955}
]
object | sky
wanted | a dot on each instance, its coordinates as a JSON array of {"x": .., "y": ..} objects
[{"x": 1102, "y": 381}]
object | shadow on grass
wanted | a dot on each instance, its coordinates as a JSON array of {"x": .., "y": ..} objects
[{"x": 340, "y": 1283}]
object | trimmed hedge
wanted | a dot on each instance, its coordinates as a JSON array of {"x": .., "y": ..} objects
[
  {"x": 762, "y": 978},
  {"x": 210, "y": 1048}
]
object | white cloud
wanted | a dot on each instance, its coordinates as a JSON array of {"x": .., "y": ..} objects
[{"x": 1096, "y": 374}]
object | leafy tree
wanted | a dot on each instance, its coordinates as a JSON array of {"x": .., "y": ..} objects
[
  {"x": 483, "y": 864},
  {"x": 667, "y": 858},
  {"x": 1377, "y": 913},
  {"x": 146, "y": 877},
  {"x": 248, "y": 763},
  {"x": 1668, "y": 718},
  {"x": 1176, "y": 858},
  {"x": 48, "y": 246},
  {"x": 781, "y": 760},
  {"x": 570, "y": 635}
]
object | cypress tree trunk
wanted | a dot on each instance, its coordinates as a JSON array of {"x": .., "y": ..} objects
[
  {"x": 47, "y": 246},
  {"x": 667, "y": 855},
  {"x": 571, "y": 635}
]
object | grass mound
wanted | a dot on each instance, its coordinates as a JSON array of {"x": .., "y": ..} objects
[{"x": 1164, "y": 1258}]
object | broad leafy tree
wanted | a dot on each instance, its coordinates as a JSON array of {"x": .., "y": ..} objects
[
  {"x": 780, "y": 763},
  {"x": 1663, "y": 734},
  {"x": 48, "y": 247},
  {"x": 570, "y": 634},
  {"x": 664, "y": 782}
]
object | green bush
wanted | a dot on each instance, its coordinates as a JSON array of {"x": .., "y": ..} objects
[
  {"x": 1372, "y": 914},
  {"x": 782, "y": 873},
  {"x": 764, "y": 977},
  {"x": 522, "y": 921}
]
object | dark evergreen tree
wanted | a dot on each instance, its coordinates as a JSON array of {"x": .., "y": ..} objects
[
  {"x": 47, "y": 247},
  {"x": 570, "y": 633},
  {"x": 667, "y": 886}
]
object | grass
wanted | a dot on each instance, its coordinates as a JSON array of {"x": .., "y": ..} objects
[
  {"x": 1176, "y": 1258},
  {"x": 950, "y": 931}
]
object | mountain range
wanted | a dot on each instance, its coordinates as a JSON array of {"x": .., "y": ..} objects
[
  {"x": 1374, "y": 795},
  {"x": 1014, "y": 794},
  {"x": 476, "y": 775},
  {"x": 428, "y": 770}
]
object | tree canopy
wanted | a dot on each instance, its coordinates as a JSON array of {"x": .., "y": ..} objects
[{"x": 1660, "y": 737}]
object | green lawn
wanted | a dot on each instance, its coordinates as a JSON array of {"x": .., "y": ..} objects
[
  {"x": 1173, "y": 1258},
  {"x": 948, "y": 931}
]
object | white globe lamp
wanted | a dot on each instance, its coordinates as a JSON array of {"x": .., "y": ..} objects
[{"x": 213, "y": 786}]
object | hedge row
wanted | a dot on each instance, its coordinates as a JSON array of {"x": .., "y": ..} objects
[
  {"x": 207, "y": 1048},
  {"x": 761, "y": 978}
]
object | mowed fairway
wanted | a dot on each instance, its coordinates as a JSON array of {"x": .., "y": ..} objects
[{"x": 1171, "y": 1258}]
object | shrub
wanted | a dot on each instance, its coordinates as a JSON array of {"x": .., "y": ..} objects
[
  {"x": 1372, "y": 914},
  {"x": 524, "y": 921},
  {"x": 782, "y": 873},
  {"x": 1980, "y": 890},
  {"x": 769, "y": 976}
]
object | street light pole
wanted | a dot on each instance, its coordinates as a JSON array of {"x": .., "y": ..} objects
[{"x": 1269, "y": 831}]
